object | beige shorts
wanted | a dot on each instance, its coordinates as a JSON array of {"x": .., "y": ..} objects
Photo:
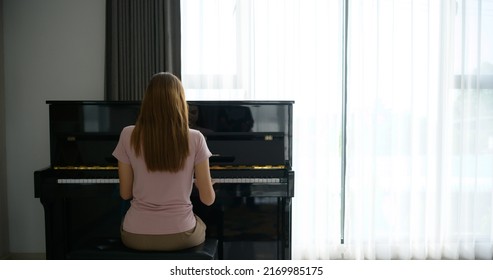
[{"x": 165, "y": 242}]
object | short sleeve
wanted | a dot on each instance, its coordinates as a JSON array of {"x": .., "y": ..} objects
[
  {"x": 120, "y": 152},
  {"x": 202, "y": 152}
]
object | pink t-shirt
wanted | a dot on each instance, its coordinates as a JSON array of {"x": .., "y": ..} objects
[{"x": 161, "y": 200}]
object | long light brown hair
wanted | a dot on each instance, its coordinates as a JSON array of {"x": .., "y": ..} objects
[{"x": 161, "y": 130}]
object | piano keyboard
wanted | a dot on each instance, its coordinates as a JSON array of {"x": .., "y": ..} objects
[
  {"x": 218, "y": 180},
  {"x": 88, "y": 181},
  {"x": 246, "y": 180}
]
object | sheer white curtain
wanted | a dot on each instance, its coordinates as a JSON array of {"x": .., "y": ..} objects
[
  {"x": 278, "y": 50},
  {"x": 420, "y": 137},
  {"x": 420, "y": 172},
  {"x": 471, "y": 188}
]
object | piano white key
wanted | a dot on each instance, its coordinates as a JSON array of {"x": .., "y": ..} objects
[
  {"x": 89, "y": 181},
  {"x": 217, "y": 180}
]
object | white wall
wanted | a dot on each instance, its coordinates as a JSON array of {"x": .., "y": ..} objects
[
  {"x": 4, "y": 239},
  {"x": 53, "y": 50}
]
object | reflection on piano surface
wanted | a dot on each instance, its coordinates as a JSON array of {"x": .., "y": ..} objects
[{"x": 251, "y": 165}]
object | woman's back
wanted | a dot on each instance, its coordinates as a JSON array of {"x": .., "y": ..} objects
[
  {"x": 161, "y": 199},
  {"x": 157, "y": 160}
]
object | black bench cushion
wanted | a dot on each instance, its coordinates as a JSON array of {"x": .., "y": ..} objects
[{"x": 113, "y": 249}]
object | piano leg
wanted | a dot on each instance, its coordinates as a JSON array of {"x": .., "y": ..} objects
[
  {"x": 55, "y": 228},
  {"x": 286, "y": 214}
]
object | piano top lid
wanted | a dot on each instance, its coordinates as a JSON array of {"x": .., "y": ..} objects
[
  {"x": 203, "y": 102},
  {"x": 88, "y": 102}
]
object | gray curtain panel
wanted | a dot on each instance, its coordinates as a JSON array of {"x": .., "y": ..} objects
[{"x": 142, "y": 38}]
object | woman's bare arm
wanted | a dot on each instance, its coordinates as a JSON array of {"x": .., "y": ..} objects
[
  {"x": 126, "y": 175},
  {"x": 204, "y": 183}
]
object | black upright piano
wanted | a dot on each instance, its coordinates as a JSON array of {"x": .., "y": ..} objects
[{"x": 251, "y": 143}]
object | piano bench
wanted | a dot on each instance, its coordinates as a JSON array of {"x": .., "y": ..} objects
[{"x": 113, "y": 249}]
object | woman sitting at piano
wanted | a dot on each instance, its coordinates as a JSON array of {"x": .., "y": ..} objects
[{"x": 157, "y": 160}]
